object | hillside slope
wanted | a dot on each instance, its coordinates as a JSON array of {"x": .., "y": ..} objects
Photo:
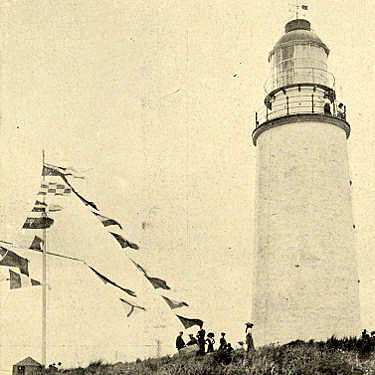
[{"x": 334, "y": 357}]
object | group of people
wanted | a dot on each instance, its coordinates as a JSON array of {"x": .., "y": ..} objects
[
  {"x": 340, "y": 110},
  {"x": 368, "y": 336},
  {"x": 202, "y": 340}
]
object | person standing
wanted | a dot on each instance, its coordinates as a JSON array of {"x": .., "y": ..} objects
[
  {"x": 341, "y": 111},
  {"x": 327, "y": 107},
  {"x": 201, "y": 341},
  {"x": 180, "y": 343},
  {"x": 210, "y": 342},
  {"x": 249, "y": 338},
  {"x": 223, "y": 342}
]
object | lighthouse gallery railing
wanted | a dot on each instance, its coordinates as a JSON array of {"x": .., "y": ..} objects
[{"x": 294, "y": 105}]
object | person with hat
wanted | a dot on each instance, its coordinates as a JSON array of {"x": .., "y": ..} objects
[
  {"x": 223, "y": 342},
  {"x": 180, "y": 343},
  {"x": 192, "y": 340},
  {"x": 210, "y": 342},
  {"x": 249, "y": 338}
]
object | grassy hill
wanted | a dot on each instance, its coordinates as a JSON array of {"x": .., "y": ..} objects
[{"x": 333, "y": 357}]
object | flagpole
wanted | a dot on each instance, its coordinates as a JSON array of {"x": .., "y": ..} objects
[{"x": 44, "y": 286}]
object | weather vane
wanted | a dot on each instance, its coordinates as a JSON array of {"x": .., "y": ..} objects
[{"x": 298, "y": 9}]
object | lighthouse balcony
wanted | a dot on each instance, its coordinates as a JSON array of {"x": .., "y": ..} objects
[{"x": 300, "y": 103}]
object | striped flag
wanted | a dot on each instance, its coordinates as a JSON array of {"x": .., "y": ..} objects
[{"x": 39, "y": 206}]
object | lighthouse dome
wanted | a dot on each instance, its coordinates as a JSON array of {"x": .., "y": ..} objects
[{"x": 298, "y": 31}]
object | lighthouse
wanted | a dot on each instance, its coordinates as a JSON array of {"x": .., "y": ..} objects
[{"x": 305, "y": 280}]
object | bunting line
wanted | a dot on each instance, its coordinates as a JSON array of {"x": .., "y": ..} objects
[{"x": 106, "y": 280}]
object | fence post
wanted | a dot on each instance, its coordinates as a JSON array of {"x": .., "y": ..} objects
[
  {"x": 312, "y": 103},
  {"x": 287, "y": 105},
  {"x": 256, "y": 118}
]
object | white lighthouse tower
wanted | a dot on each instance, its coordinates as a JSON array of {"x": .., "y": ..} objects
[{"x": 306, "y": 282}]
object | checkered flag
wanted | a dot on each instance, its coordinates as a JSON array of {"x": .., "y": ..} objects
[{"x": 55, "y": 189}]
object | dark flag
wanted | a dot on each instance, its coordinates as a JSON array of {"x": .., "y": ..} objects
[
  {"x": 187, "y": 322},
  {"x": 173, "y": 304},
  {"x": 16, "y": 281},
  {"x": 157, "y": 283},
  {"x": 132, "y": 307},
  {"x": 37, "y": 223},
  {"x": 53, "y": 170},
  {"x": 123, "y": 242},
  {"x": 35, "y": 245},
  {"x": 106, "y": 280},
  {"x": 304, "y": 7},
  {"x": 106, "y": 221},
  {"x": 10, "y": 259}
]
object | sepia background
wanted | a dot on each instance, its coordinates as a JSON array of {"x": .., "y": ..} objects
[{"x": 155, "y": 101}]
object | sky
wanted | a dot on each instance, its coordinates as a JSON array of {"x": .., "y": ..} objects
[{"x": 155, "y": 101}]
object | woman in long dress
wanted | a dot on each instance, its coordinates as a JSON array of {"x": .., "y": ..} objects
[
  {"x": 249, "y": 338},
  {"x": 210, "y": 342}
]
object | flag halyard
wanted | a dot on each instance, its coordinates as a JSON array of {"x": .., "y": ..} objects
[
  {"x": 132, "y": 307},
  {"x": 106, "y": 280}
]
